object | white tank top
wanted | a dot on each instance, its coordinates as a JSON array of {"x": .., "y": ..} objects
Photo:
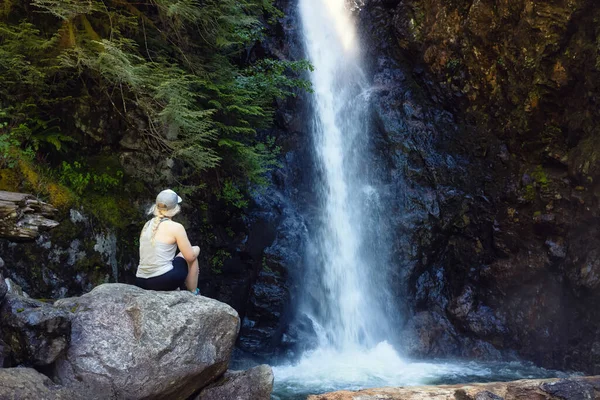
[{"x": 155, "y": 259}]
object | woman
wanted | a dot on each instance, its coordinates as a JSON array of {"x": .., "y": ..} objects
[{"x": 159, "y": 268}]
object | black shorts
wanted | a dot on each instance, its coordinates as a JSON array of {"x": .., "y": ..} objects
[{"x": 171, "y": 280}]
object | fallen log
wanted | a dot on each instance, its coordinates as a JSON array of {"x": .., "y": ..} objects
[{"x": 23, "y": 216}]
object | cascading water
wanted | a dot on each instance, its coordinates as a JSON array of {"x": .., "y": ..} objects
[
  {"x": 347, "y": 300},
  {"x": 346, "y": 287}
]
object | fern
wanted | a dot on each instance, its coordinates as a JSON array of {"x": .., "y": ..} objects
[
  {"x": 67, "y": 9},
  {"x": 168, "y": 69}
]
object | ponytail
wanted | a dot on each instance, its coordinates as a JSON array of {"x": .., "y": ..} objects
[{"x": 158, "y": 215}]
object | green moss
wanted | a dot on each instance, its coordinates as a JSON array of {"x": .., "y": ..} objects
[
  {"x": 537, "y": 214},
  {"x": 111, "y": 211},
  {"x": 529, "y": 193},
  {"x": 539, "y": 175}
]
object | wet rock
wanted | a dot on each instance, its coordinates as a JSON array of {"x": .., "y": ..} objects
[
  {"x": 27, "y": 383},
  {"x": 586, "y": 271},
  {"x": 267, "y": 307},
  {"x": 13, "y": 288},
  {"x": 556, "y": 247},
  {"x": 430, "y": 334},
  {"x": 476, "y": 318},
  {"x": 255, "y": 383},
  {"x": 569, "y": 389},
  {"x": 130, "y": 343},
  {"x": 35, "y": 332},
  {"x": 262, "y": 325},
  {"x": 299, "y": 337},
  {"x": 3, "y": 288}
]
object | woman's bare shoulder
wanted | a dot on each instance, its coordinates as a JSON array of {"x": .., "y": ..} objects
[{"x": 174, "y": 226}]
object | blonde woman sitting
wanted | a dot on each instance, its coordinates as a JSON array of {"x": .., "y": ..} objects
[{"x": 160, "y": 268}]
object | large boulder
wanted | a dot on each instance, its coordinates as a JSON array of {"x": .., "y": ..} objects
[
  {"x": 253, "y": 384},
  {"x": 27, "y": 383},
  {"x": 130, "y": 343},
  {"x": 34, "y": 333}
]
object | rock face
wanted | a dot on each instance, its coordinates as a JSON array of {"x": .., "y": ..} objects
[
  {"x": 549, "y": 389},
  {"x": 35, "y": 333},
  {"x": 130, "y": 343},
  {"x": 3, "y": 288},
  {"x": 485, "y": 111},
  {"x": 27, "y": 383},
  {"x": 253, "y": 384}
]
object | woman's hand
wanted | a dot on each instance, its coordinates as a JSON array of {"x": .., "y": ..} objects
[{"x": 196, "y": 250}]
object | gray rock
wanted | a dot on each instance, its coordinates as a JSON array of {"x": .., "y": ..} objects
[
  {"x": 13, "y": 288},
  {"x": 4, "y": 355},
  {"x": 3, "y": 288},
  {"x": 37, "y": 333},
  {"x": 253, "y": 384},
  {"x": 487, "y": 395},
  {"x": 525, "y": 389},
  {"x": 131, "y": 343},
  {"x": 27, "y": 383},
  {"x": 569, "y": 389}
]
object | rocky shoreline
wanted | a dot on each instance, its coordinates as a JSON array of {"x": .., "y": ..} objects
[{"x": 581, "y": 388}]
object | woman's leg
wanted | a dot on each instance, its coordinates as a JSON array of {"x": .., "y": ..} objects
[{"x": 191, "y": 281}]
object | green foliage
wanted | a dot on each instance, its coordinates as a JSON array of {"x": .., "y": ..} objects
[
  {"x": 7, "y": 143},
  {"x": 218, "y": 260},
  {"x": 172, "y": 71},
  {"x": 79, "y": 179},
  {"x": 232, "y": 195},
  {"x": 453, "y": 64}
]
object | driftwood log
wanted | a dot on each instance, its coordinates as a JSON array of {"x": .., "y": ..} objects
[{"x": 23, "y": 217}]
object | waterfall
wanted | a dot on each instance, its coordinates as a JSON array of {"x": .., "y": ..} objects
[
  {"x": 346, "y": 290},
  {"x": 348, "y": 261}
]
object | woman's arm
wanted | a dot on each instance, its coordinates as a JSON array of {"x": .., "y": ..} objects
[{"x": 189, "y": 252}]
